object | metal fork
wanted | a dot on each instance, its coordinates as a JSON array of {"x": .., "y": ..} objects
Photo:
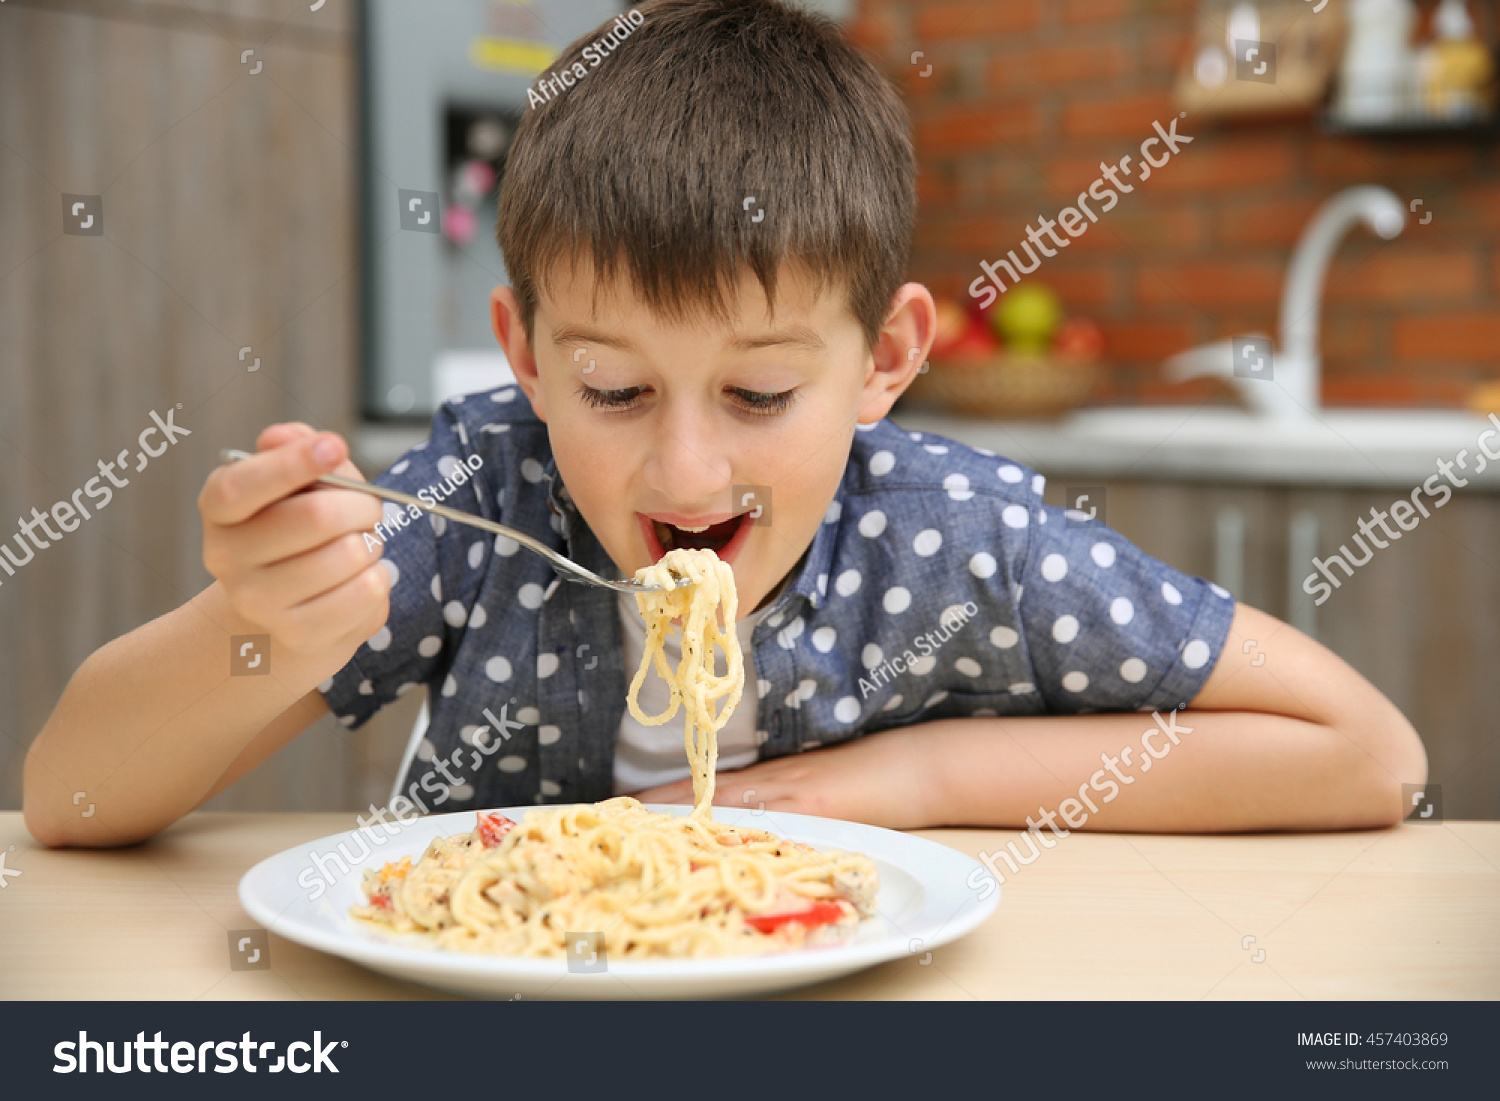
[{"x": 566, "y": 567}]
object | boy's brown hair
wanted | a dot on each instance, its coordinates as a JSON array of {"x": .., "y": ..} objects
[{"x": 717, "y": 134}]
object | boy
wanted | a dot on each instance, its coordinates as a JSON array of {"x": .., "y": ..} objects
[{"x": 706, "y": 234}]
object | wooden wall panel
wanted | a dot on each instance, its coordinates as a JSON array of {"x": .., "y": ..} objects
[{"x": 229, "y": 221}]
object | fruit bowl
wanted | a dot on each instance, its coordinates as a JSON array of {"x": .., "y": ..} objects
[{"x": 1007, "y": 386}]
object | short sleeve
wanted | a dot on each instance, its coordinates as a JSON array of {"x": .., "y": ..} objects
[
  {"x": 1110, "y": 628},
  {"x": 436, "y": 568}
]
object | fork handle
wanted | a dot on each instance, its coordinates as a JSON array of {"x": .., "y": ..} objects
[{"x": 558, "y": 561}]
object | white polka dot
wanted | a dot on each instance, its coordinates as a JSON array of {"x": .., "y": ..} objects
[
  {"x": 774, "y": 619},
  {"x": 1169, "y": 591},
  {"x": 968, "y": 667},
  {"x": 832, "y": 513},
  {"x": 380, "y": 640},
  {"x": 1132, "y": 670},
  {"x": 927, "y": 542},
  {"x": 404, "y": 688},
  {"x": 881, "y": 463},
  {"x": 1121, "y": 610},
  {"x": 871, "y": 655},
  {"x": 788, "y": 635},
  {"x": 466, "y": 735},
  {"x": 984, "y": 713},
  {"x": 391, "y": 513},
  {"x": 914, "y": 437},
  {"x": 1014, "y": 516},
  {"x": 497, "y": 669},
  {"x": 846, "y": 710},
  {"x": 511, "y": 764},
  {"x": 1195, "y": 654},
  {"x": 934, "y": 449},
  {"x": 426, "y": 750},
  {"x": 529, "y": 716},
  {"x": 1024, "y": 688},
  {"x": 847, "y": 583},
  {"x": 872, "y": 524},
  {"x": 1041, "y": 517},
  {"x": 1103, "y": 555},
  {"x": 478, "y": 617},
  {"x": 986, "y": 452},
  {"x": 455, "y": 614},
  {"x": 1220, "y": 591},
  {"x": 866, "y": 427},
  {"x": 935, "y": 699},
  {"x": 1054, "y": 567},
  {"x": 450, "y": 687},
  {"x": 436, "y": 588},
  {"x": 1065, "y": 628},
  {"x": 506, "y": 546},
  {"x": 823, "y": 584},
  {"x": 326, "y": 686},
  {"x": 957, "y": 487},
  {"x": 824, "y": 638},
  {"x": 430, "y": 646},
  {"x": 982, "y": 565},
  {"x": 532, "y": 470},
  {"x": 896, "y": 600},
  {"x": 439, "y": 524},
  {"x": 922, "y": 666},
  {"x": 761, "y": 737},
  {"x": 392, "y": 569},
  {"x": 508, "y": 393},
  {"x": 1010, "y": 473},
  {"x": 546, "y": 665},
  {"x": 1004, "y": 637},
  {"x": 953, "y": 617},
  {"x": 1075, "y": 681},
  {"x": 448, "y": 466},
  {"x": 892, "y": 703},
  {"x": 462, "y": 792},
  {"x": 476, "y": 554},
  {"x": 530, "y": 596},
  {"x": 551, "y": 787},
  {"x": 1038, "y": 484},
  {"x": 762, "y": 686},
  {"x": 366, "y": 688},
  {"x": 400, "y": 467},
  {"x": 547, "y": 735}
]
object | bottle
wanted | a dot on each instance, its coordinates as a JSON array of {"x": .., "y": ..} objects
[
  {"x": 1375, "y": 79},
  {"x": 1455, "y": 71}
]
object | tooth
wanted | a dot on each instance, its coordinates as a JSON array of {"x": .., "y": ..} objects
[{"x": 684, "y": 527}]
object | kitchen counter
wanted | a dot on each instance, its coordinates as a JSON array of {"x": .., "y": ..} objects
[{"x": 1404, "y": 913}]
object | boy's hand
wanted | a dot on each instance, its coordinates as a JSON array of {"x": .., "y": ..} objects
[
  {"x": 295, "y": 562},
  {"x": 880, "y": 779}
]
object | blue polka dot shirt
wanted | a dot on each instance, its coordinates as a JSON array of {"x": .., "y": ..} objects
[{"x": 938, "y": 585}]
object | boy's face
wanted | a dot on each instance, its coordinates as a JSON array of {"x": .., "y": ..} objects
[{"x": 659, "y": 427}]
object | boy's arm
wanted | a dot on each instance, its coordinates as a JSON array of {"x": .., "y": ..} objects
[
  {"x": 1300, "y": 741},
  {"x": 153, "y": 723}
]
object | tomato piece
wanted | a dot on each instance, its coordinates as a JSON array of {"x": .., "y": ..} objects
[
  {"x": 380, "y": 902},
  {"x": 819, "y": 913},
  {"x": 492, "y": 828}
]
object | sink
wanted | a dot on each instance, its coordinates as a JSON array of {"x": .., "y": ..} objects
[{"x": 1385, "y": 447}]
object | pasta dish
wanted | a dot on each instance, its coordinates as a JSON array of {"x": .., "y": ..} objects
[{"x": 648, "y": 885}]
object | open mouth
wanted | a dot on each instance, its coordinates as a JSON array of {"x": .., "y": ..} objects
[{"x": 720, "y": 538}]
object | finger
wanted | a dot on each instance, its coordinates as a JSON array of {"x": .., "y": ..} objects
[
  {"x": 303, "y": 523},
  {"x": 277, "y": 435},
  {"x": 358, "y": 608},
  {"x": 294, "y": 581},
  {"x": 237, "y": 491}
]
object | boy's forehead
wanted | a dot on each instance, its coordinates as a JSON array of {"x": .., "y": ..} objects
[{"x": 576, "y": 302}]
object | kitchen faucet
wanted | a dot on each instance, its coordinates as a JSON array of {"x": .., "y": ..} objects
[{"x": 1294, "y": 390}]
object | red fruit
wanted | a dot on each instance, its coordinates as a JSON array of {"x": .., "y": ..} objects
[{"x": 1079, "y": 337}]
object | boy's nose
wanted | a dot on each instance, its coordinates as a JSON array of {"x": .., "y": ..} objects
[{"x": 687, "y": 465}]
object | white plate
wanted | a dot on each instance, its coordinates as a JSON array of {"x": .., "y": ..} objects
[{"x": 925, "y": 900}]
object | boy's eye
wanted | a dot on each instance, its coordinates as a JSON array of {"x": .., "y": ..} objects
[
  {"x": 760, "y": 403},
  {"x": 610, "y": 399}
]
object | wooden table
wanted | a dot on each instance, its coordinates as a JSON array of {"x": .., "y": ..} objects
[{"x": 1411, "y": 912}]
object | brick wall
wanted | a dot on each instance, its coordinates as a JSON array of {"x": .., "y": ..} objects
[{"x": 1027, "y": 97}]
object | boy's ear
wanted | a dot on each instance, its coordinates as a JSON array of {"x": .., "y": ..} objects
[
  {"x": 900, "y": 351},
  {"x": 505, "y": 318}
]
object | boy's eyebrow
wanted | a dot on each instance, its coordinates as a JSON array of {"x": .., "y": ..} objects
[{"x": 800, "y": 336}]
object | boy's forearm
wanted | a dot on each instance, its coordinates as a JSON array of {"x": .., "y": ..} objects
[
  {"x": 150, "y": 722},
  {"x": 1188, "y": 771}
]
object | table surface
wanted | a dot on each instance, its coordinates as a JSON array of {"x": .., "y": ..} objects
[{"x": 1410, "y": 912}]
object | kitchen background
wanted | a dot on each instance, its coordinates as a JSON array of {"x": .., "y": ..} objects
[{"x": 258, "y": 173}]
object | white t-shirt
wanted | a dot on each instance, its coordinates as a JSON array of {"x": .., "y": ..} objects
[{"x": 647, "y": 756}]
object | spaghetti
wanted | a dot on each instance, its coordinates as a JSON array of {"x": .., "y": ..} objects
[{"x": 648, "y": 885}]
